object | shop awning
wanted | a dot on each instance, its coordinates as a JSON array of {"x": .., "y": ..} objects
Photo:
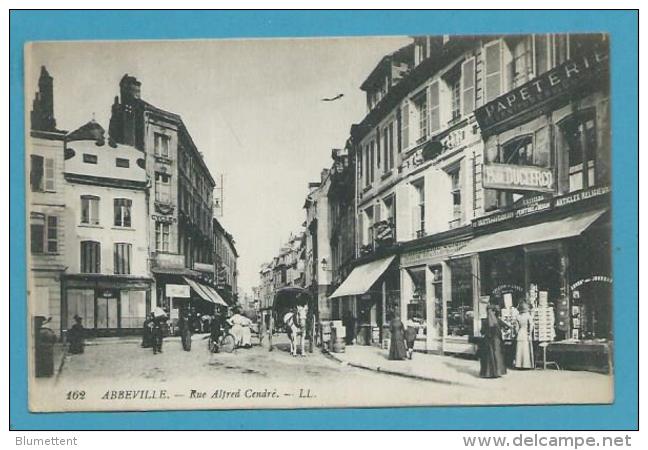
[
  {"x": 216, "y": 298},
  {"x": 362, "y": 278},
  {"x": 205, "y": 292},
  {"x": 542, "y": 232}
]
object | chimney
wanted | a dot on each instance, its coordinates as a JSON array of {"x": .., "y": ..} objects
[
  {"x": 42, "y": 113},
  {"x": 130, "y": 89}
]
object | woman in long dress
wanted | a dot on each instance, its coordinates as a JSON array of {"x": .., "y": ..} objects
[
  {"x": 492, "y": 352},
  {"x": 397, "y": 350},
  {"x": 523, "y": 339},
  {"x": 241, "y": 330}
]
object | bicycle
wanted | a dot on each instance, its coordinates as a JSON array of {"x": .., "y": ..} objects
[{"x": 225, "y": 343}]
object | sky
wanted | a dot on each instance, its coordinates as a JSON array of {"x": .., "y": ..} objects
[{"x": 253, "y": 108}]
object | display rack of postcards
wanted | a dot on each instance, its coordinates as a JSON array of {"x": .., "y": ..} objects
[{"x": 543, "y": 321}]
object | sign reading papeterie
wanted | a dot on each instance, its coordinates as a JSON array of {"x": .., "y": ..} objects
[
  {"x": 518, "y": 178},
  {"x": 177, "y": 291}
]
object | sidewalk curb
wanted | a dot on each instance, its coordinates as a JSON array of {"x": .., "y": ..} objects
[{"x": 392, "y": 372}]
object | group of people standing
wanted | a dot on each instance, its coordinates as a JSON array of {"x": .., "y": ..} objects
[{"x": 491, "y": 345}]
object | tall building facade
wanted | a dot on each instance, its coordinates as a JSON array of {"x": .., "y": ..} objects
[
  {"x": 46, "y": 206},
  {"x": 225, "y": 263},
  {"x": 482, "y": 172},
  {"x": 107, "y": 281},
  {"x": 180, "y": 203}
]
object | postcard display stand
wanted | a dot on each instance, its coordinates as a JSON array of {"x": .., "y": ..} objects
[{"x": 543, "y": 320}]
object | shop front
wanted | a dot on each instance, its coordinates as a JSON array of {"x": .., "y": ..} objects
[
  {"x": 375, "y": 288},
  {"x": 180, "y": 289},
  {"x": 559, "y": 263},
  {"x": 437, "y": 294},
  {"x": 108, "y": 305}
]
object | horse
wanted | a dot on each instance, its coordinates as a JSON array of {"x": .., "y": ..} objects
[{"x": 295, "y": 323}]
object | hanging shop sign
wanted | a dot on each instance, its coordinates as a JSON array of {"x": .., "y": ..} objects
[
  {"x": 518, "y": 178},
  {"x": 569, "y": 76},
  {"x": 592, "y": 279},
  {"x": 177, "y": 291}
]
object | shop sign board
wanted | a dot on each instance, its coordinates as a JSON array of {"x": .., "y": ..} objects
[
  {"x": 582, "y": 195},
  {"x": 518, "y": 178},
  {"x": 177, "y": 291},
  {"x": 542, "y": 204},
  {"x": 569, "y": 76},
  {"x": 425, "y": 255}
]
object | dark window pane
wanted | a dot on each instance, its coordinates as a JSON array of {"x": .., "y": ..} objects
[{"x": 37, "y": 238}]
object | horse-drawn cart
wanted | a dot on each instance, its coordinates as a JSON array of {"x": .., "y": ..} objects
[{"x": 292, "y": 311}]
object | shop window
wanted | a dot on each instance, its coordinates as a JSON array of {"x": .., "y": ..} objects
[
  {"x": 418, "y": 210},
  {"x": 502, "y": 272},
  {"x": 460, "y": 304},
  {"x": 90, "y": 257},
  {"x": 90, "y": 210},
  {"x": 578, "y": 141},
  {"x": 161, "y": 144},
  {"x": 123, "y": 256},
  {"x": 122, "y": 210},
  {"x": 81, "y": 302},
  {"x": 416, "y": 306},
  {"x": 162, "y": 187},
  {"x": 162, "y": 236},
  {"x": 133, "y": 308}
]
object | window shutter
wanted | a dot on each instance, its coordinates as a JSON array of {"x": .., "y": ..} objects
[
  {"x": 468, "y": 86},
  {"x": 405, "y": 125},
  {"x": 435, "y": 115},
  {"x": 493, "y": 70},
  {"x": 377, "y": 213},
  {"x": 49, "y": 174},
  {"x": 378, "y": 147},
  {"x": 361, "y": 228}
]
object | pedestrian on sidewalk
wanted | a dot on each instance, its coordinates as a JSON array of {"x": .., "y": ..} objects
[
  {"x": 76, "y": 336},
  {"x": 523, "y": 339},
  {"x": 147, "y": 337},
  {"x": 491, "y": 349},
  {"x": 397, "y": 349},
  {"x": 411, "y": 330},
  {"x": 185, "y": 329},
  {"x": 157, "y": 333}
]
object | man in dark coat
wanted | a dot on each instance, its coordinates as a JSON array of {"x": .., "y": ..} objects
[
  {"x": 157, "y": 334},
  {"x": 147, "y": 337},
  {"x": 76, "y": 336}
]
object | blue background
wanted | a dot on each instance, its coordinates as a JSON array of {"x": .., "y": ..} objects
[{"x": 623, "y": 27}]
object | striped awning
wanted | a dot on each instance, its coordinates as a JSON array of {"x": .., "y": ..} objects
[{"x": 207, "y": 293}]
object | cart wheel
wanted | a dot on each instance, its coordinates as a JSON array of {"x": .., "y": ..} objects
[{"x": 228, "y": 343}]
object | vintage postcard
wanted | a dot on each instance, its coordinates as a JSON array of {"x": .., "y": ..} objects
[{"x": 310, "y": 223}]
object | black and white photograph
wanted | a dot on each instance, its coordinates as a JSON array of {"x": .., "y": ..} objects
[{"x": 319, "y": 222}]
